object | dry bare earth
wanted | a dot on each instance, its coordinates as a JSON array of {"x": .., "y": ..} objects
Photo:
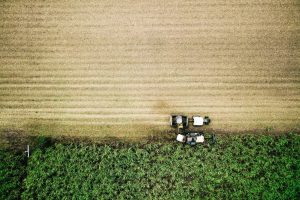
[{"x": 119, "y": 68}]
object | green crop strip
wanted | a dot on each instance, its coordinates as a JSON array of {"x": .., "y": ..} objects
[
  {"x": 12, "y": 171},
  {"x": 247, "y": 167},
  {"x": 237, "y": 167}
]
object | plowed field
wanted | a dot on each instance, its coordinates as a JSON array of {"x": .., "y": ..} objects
[{"x": 119, "y": 68}]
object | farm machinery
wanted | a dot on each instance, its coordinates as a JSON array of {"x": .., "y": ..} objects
[{"x": 181, "y": 123}]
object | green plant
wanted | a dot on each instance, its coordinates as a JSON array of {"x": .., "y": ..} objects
[
  {"x": 12, "y": 171},
  {"x": 238, "y": 167},
  {"x": 41, "y": 142}
]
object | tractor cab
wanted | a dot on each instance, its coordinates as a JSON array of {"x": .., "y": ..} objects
[{"x": 200, "y": 121}]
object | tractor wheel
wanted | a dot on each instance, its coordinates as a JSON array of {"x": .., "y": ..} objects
[{"x": 206, "y": 120}]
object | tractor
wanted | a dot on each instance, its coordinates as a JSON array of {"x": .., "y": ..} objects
[
  {"x": 181, "y": 122},
  {"x": 193, "y": 138}
]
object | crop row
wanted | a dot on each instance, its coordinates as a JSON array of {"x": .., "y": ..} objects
[{"x": 238, "y": 167}]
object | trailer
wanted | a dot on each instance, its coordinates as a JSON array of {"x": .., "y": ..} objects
[
  {"x": 179, "y": 121},
  {"x": 182, "y": 121}
]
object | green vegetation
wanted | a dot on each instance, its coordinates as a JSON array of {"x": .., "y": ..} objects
[
  {"x": 238, "y": 167},
  {"x": 12, "y": 170}
]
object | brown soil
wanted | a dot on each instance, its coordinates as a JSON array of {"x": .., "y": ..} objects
[{"x": 119, "y": 68}]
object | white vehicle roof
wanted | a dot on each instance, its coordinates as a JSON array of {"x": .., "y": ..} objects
[
  {"x": 180, "y": 138},
  {"x": 179, "y": 119},
  {"x": 200, "y": 139},
  {"x": 198, "y": 121}
]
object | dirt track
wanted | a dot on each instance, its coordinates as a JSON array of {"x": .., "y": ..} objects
[{"x": 76, "y": 68}]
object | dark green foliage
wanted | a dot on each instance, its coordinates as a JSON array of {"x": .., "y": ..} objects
[
  {"x": 41, "y": 142},
  {"x": 12, "y": 169},
  {"x": 238, "y": 167}
]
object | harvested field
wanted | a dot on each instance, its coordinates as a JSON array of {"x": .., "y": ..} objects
[{"x": 119, "y": 68}]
